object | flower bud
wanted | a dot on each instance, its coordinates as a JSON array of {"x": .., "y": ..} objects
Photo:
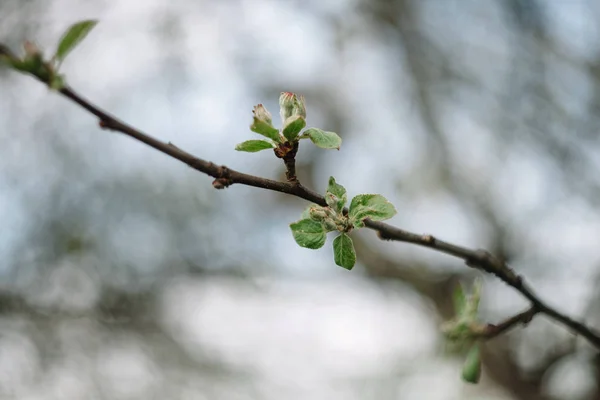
[
  {"x": 317, "y": 213},
  {"x": 262, "y": 123},
  {"x": 332, "y": 201},
  {"x": 33, "y": 63},
  {"x": 290, "y": 104},
  {"x": 262, "y": 114},
  {"x": 330, "y": 225},
  {"x": 31, "y": 49},
  {"x": 331, "y": 212}
]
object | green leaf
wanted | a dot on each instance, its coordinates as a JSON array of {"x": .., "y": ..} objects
[
  {"x": 471, "y": 371},
  {"x": 339, "y": 195},
  {"x": 472, "y": 306},
  {"x": 308, "y": 233},
  {"x": 33, "y": 64},
  {"x": 263, "y": 128},
  {"x": 263, "y": 124},
  {"x": 343, "y": 251},
  {"x": 323, "y": 139},
  {"x": 252, "y": 146},
  {"x": 373, "y": 206},
  {"x": 460, "y": 300},
  {"x": 336, "y": 188},
  {"x": 20, "y": 65},
  {"x": 72, "y": 37},
  {"x": 292, "y": 127}
]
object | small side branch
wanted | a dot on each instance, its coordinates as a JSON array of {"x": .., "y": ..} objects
[{"x": 491, "y": 330}]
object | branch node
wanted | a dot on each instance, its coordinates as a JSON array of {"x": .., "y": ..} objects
[
  {"x": 224, "y": 178},
  {"x": 383, "y": 236},
  {"x": 428, "y": 239},
  {"x": 287, "y": 151},
  {"x": 110, "y": 124}
]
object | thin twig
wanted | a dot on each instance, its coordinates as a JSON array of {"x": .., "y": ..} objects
[
  {"x": 525, "y": 317},
  {"x": 479, "y": 259}
]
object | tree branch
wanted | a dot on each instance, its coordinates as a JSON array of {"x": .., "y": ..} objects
[
  {"x": 479, "y": 259},
  {"x": 524, "y": 318}
]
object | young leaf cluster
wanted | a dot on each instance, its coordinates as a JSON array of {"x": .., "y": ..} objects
[
  {"x": 316, "y": 221},
  {"x": 47, "y": 71},
  {"x": 292, "y": 109},
  {"x": 462, "y": 332}
]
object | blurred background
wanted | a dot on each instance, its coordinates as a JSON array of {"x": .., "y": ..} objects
[{"x": 125, "y": 275}]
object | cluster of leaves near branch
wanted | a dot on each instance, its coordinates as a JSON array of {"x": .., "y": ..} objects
[
  {"x": 311, "y": 230},
  {"x": 47, "y": 71},
  {"x": 464, "y": 333},
  {"x": 293, "y": 118}
]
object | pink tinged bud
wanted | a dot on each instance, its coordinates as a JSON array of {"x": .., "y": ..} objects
[
  {"x": 33, "y": 63},
  {"x": 262, "y": 114},
  {"x": 317, "y": 213},
  {"x": 332, "y": 200},
  {"x": 31, "y": 49},
  {"x": 286, "y": 105},
  {"x": 263, "y": 125},
  {"x": 300, "y": 107},
  {"x": 290, "y": 104}
]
